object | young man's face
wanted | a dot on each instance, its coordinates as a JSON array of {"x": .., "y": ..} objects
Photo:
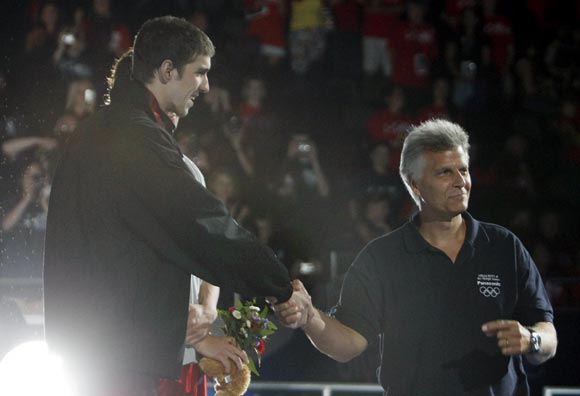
[
  {"x": 445, "y": 184},
  {"x": 184, "y": 87}
]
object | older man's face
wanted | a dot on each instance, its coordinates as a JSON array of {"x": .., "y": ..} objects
[{"x": 445, "y": 184}]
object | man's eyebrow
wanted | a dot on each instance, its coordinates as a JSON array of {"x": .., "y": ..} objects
[{"x": 202, "y": 69}]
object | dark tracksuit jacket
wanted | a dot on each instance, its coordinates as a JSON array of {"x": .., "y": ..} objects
[{"x": 127, "y": 225}]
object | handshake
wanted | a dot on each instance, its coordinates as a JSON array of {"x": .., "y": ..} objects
[{"x": 298, "y": 311}]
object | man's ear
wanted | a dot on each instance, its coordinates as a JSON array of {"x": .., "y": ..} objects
[
  {"x": 165, "y": 71},
  {"x": 414, "y": 186}
]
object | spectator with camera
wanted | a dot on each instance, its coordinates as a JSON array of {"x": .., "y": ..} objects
[
  {"x": 302, "y": 173},
  {"x": 301, "y": 192},
  {"x": 24, "y": 223},
  {"x": 466, "y": 58},
  {"x": 70, "y": 57}
]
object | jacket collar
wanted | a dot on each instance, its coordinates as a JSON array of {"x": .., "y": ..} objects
[{"x": 137, "y": 95}]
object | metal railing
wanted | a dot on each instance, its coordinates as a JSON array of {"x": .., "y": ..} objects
[
  {"x": 554, "y": 391},
  {"x": 325, "y": 389}
]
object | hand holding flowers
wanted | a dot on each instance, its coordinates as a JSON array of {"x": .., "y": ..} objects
[{"x": 247, "y": 326}]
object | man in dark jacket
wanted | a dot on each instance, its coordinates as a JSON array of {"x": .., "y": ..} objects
[{"x": 128, "y": 224}]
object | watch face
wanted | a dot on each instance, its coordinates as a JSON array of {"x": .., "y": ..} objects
[{"x": 535, "y": 342}]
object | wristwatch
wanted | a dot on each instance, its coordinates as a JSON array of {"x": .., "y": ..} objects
[{"x": 535, "y": 341}]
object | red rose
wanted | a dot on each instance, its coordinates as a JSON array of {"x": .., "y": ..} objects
[
  {"x": 231, "y": 309},
  {"x": 261, "y": 346}
]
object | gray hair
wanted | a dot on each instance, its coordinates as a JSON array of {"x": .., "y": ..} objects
[{"x": 435, "y": 135}]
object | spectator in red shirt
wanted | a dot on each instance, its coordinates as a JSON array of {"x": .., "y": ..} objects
[
  {"x": 391, "y": 124},
  {"x": 253, "y": 94},
  {"x": 379, "y": 18},
  {"x": 414, "y": 48},
  {"x": 439, "y": 107},
  {"x": 452, "y": 11},
  {"x": 498, "y": 29},
  {"x": 266, "y": 24},
  {"x": 345, "y": 40}
]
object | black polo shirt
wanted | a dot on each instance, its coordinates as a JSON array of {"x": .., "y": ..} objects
[{"x": 428, "y": 311}]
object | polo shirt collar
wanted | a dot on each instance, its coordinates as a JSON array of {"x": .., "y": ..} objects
[{"x": 415, "y": 243}]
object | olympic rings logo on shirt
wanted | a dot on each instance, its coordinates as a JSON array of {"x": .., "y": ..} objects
[{"x": 490, "y": 291}]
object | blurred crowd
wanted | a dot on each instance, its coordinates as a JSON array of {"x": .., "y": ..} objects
[{"x": 310, "y": 100}]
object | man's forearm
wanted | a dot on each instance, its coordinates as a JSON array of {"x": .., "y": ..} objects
[
  {"x": 208, "y": 295},
  {"x": 327, "y": 334},
  {"x": 547, "y": 332},
  {"x": 332, "y": 338}
]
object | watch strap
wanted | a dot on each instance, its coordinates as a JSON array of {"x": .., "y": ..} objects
[{"x": 535, "y": 341}]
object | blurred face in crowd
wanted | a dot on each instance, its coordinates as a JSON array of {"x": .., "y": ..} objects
[
  {"x": 222, "y": 185},
  {"x": 199, "y": 19},
  {"x": 254, "y": 90},
  {"x": 49, "y": 15},
  {"x": 380, "y": 157},
  {"x": 445, "y": 184},
  {"x": 377, "y": 210},
  {"x": 440, "y": 89},
  {"x": 396, "y": 100},
  {"x": 183, "y": 88},
  {"x": 65, "y": 125},
  {"x": 416, "y": 12},
  {"x": 102, "y": 7},
  {"x": 264, "y": 229}
]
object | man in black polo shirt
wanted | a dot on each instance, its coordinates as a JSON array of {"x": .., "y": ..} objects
[{"x": 456, "y": 303}]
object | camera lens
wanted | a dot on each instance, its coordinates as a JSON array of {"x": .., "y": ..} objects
[{"x": 68, "y": 38}]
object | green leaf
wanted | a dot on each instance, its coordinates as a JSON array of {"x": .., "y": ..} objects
[
  {"x": 252, "y": 367},
  {"x": 264, "y": 312}
]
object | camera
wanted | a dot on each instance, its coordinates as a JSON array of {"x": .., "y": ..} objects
[
  {"x": 68, "y": 38},
  {"x": 468, "y": 69},
  {"x": 90, "y": 96},
  {"x": 304, "y": 147}
]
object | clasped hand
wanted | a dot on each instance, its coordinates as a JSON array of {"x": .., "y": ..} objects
[{"x": 298, "y": 310}]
